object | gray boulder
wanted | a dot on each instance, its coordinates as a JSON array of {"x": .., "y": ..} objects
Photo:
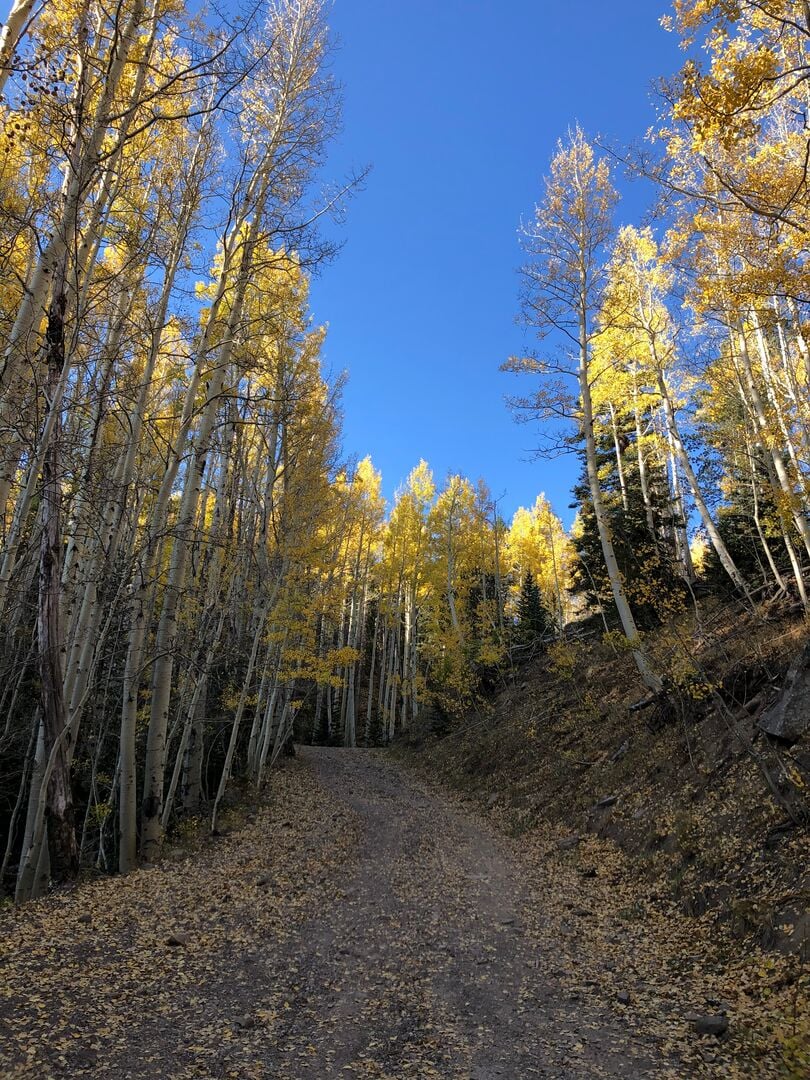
[{"x": 789, "y": 716}]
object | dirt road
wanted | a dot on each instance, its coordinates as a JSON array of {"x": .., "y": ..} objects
[{"x": 360, "y": 926}]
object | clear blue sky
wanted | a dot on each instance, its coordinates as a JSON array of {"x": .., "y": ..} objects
[{"x": 457, "y": 107}]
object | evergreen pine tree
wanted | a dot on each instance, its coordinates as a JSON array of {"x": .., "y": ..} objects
[{"x": 534, "y": 624}]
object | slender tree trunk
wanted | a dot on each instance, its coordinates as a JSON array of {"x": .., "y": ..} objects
[
  {"x": 780, "y": 581},
  {"x": 642, "y": 468},
  {"x": 261, "y": 619},
  {"x": 646, "y": 672},
  {"x": 48, "y": 267},
  {"x": 370, "y": 688},
  {"x": 619, "y": 457},
  {"x": 723, "y": 554},
  {"x": 167, "y": 627},
  {"x": 61, "y": 826},
  {"x": 681, "y": 536},
  {"x": 10, "y": 36},
  {"x": 761, "y": 421}
]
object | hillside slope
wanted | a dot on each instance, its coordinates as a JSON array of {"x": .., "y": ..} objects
[{"x": 690, "y": 807}]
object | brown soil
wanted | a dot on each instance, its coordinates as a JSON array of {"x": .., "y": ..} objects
[{"x": 363, "y": 925}]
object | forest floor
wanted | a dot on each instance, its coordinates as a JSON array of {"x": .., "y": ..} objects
[{"x": 361, "y": 925}]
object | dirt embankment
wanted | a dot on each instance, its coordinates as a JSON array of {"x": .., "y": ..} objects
[{"x": 672, "y": 812}]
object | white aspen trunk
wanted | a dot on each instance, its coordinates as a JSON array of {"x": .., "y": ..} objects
[
  {"x": 81, "y": 644},
  {"x": 370, "y": 688},
  {"x": 784, "y": 520},
  {"x": 791, "y": 381},
  {"x": 390, "y": 711},
  {"x": 618, "y": 452},
  {"x": 267, "y": 724},
  {"x": 761, "y": 421},
  {"x": 30, "y": 884},
  {"x": 107, "y": 548},
  {"x": 200, "y": 683},
  {"x": 267, "y": 732},
  {"x": 362, "y": 634},
  {"x": 796, "y": 566},
  {"x": 406, "y": 659},
  {"x": 681, "y": 536},
  {"x": 281, "y": 728},
  {"x": 35, "y": 861},
  {"x": 386, "y": 645},
  {"x": 61, "y": 828},
  {"x": 82, "y": 534},
  {"x": 191, "y": 784},
  {"x": 558, "y": 588},
  {"x": 801, "y": 340},
  {"x": 319, "y": 696},
  {"x": 650, "y": 679},
  {"x": 349, "y": 718},
  {"x": 774, "y": 400},
  {"x": 167, "y": 626},
  {"x": 642, "y": 467},
  {"x": 128, "y": 808},
  {"x": 261, "y": 697},
  {"x": 287, "y": 718},
  {"x": 344, "y": 640},
  {"x": 780, "y": 581},
  {"x": 716, "y": 539},
  {"x": 140, "y": 609},
  {"x": 110, "y": 180},
  {"x": 285, "y": 725},
  {"x": 240, "y": 709},
  {"x": 78, "y": 173},
  {"x": 356, "y": 611},
  {"x": 26, "y": 497},
  {"x": 10, "y": 36},
  {"x": 414, "y": 669}
]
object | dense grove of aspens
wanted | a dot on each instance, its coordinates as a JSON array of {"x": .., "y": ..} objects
[{"x": 190, "y": 571}]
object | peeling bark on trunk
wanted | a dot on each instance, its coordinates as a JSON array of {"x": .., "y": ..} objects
[{"x": 61, "y": 825}]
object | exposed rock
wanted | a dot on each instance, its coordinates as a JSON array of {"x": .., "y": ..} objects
[
  {"x": 708, "y": 1025},
  {"x": 789, "y": 717},
  {"x": 177, "y": 940},
  {"x": 568, "y": 842},
  {"x": 620, "y": 753},
  {"x": 623, "y": 997},
  {"x": 605, "y": 801},
  {"x": 85, "y": 919}
]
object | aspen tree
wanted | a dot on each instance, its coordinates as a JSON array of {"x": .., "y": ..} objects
[
  {"x": 565, "y": 281},
  {"x": 292, "y": 72},
  {"x": 740, "y": 122},
  {"x": 83, "y": 160},
  {"x": 12, "y": 32},
  {"x": 634, "y": 305},
  {"x": 536, "y": 543}
]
